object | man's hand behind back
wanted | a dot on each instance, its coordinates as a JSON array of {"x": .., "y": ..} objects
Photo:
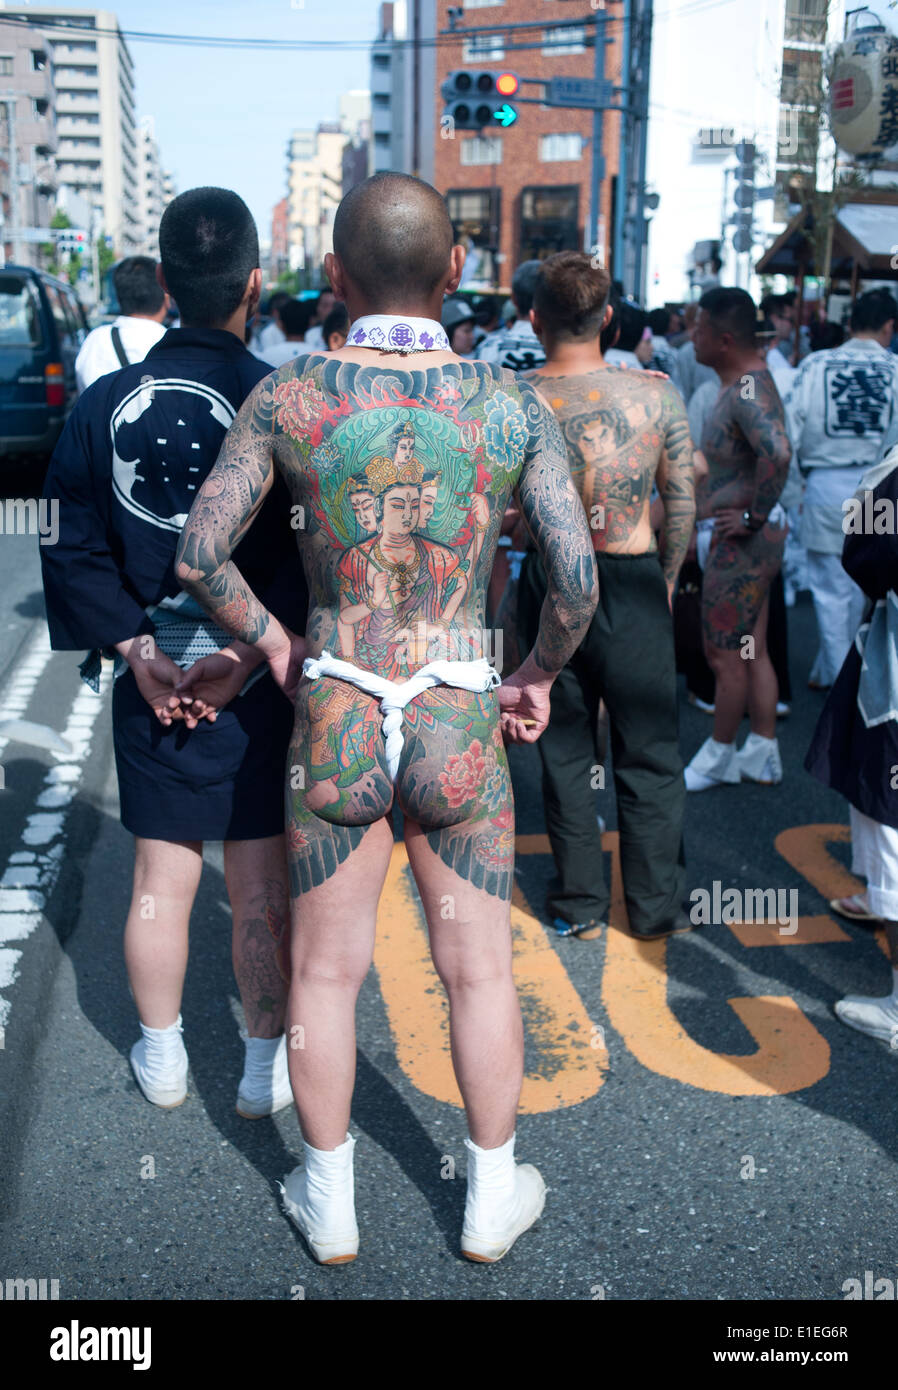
[
  {"x": 156, "y": 676},
  {"x": 212, "y": 683},
  {"x": 524, "y": 702}
]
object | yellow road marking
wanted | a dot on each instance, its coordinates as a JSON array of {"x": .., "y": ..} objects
[
  {"x": 570, "y": 1068},
  {"x": 790, "y": 1055}
]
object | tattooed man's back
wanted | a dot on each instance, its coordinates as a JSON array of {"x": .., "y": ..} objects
[{"x": 400, "y": 469}]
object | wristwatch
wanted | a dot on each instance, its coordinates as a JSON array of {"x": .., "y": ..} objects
[{"x": 750, "y": 523}]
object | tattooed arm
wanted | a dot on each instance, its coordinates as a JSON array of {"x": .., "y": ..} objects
[
  {"x": 762, "y": 422},
  {"x": 554, "y": 513},
  {"x": 225, "y": 508},
  {"x": 676, "y": 484}
]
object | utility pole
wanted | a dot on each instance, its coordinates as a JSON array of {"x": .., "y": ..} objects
[
  {"x": 641, "y": 103},
  {"x": 598, "y": 159},
  {"x": 9, "y": 102}
]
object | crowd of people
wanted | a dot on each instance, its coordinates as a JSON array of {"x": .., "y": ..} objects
[{"x": 321, "y": 500}]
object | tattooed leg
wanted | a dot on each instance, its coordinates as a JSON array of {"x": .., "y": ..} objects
[
  {"x": 256, "y": 878},
  {"x": 166, "y": 876}
]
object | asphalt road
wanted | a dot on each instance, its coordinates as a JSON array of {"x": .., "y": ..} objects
[{"x": 704, "y": 1153}]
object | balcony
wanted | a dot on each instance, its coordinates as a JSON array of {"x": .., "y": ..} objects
[
  {"x": 71, "y": 128},
  {"x": 70, "y": 80},
  {"x": 381, "y": 79}
]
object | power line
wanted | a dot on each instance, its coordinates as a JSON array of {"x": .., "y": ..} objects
[{"x": 224, "y": 41}]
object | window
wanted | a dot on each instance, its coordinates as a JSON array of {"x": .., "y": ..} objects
[
  {"x": 484, "y": 48},
  {"x": 20, "y": 323},
  {"x": 549, "y": 222},
  {"x": 6, "y": 66},
  {"x": 481, "y": 4},
  {"x": 38, "y": 60},
  {"x": 568, "y": 146},
  {"x": 806, "y": 20},
  {"x": 475, "y": 220},
  {"x": 63, "y": 324},
  {"x": 481, "y": 149},
  {"x": 800, "y": 81},
  {"x": 571, "y": 39}
]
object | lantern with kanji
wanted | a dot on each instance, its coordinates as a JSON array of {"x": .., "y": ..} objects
[{"x": 863, "y": 91}]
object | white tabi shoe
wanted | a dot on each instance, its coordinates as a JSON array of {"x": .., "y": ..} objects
[
  {"x": 758, "y": 760},
  {"x": 878, "y": 1018},
  {"x": 504, "y": 1200},
  {"x": 319, "y": 1198},
  {"x": 714, "y": 765},
  {"x": 159, "y": 1063},
  {"x": 265, "y": 1085}
]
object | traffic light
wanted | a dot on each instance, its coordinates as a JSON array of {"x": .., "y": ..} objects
[
  {"x": 476, "y": 99},
  {"x": 744, "y": 196},
  {"x": 71, "y": 240}
]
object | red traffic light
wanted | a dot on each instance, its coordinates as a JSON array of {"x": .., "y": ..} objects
[{"x": 507, "y": 84}]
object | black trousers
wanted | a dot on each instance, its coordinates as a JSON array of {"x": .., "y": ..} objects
[{"x": 627, "y": 660}]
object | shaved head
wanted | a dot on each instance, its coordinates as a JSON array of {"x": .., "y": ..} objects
[{"x": 394, "y": 238}]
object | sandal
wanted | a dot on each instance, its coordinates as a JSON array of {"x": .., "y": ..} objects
[{"x": 854, "y": 908}]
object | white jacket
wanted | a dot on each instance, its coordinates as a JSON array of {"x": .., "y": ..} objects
[{"x": 841, "y": 403}]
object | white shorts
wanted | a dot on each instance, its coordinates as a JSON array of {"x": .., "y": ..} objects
[{"x": 874, "y": 856}]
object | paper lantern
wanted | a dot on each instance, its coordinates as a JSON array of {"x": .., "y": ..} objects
[{"x": 863, "y": 92}]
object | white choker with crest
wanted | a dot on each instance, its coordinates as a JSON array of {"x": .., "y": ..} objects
[{"x": 398, "y": 333}]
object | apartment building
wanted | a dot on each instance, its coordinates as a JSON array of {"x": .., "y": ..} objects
[
  {"x": 27, "y": 138},
  {"x": 151, "y": 188},
  {"x": 93, "y": 73},
  {"x": 404, "y": 77}
]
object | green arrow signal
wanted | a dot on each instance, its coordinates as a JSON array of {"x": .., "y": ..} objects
[{"x": 506, "y": 114}]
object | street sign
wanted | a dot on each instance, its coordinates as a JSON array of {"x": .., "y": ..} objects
[
  {"x": 506, "y": 115},
  {"x": 35, "y": 233},
  {"x": 586, "y": 92}
]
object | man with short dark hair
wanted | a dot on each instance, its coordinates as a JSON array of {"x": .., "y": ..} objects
[
  {"x": 335, "y": 329},
  {"x": 294, "y": 316},
  {"x": 625, "y": 432},
  {"x": 632, "y": 320},
  {"x": 200, "y": 756},
  {"x": 324, "y": 305},
  {"x": 840, "y": 406},
  {"x": 517, "y": 346},
  {"x": 269, "y": 332},
  {"x": 381, "y": 412},
  {"x": 747, "y": 449},
  {"x": 663, "y": 358},
  {"x": 143, "y": 305}
]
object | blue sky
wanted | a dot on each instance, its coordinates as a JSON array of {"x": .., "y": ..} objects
[{"x": 224, "y": 116}]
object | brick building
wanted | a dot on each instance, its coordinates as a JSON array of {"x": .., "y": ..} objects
[{"x": 524, "y": 192}]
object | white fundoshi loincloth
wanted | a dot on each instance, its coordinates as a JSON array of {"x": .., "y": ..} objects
[{"x": 476, "y": 676}]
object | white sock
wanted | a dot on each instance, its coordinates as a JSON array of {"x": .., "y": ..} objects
[
  {"x": 720, "y": 747},
  {"x": 163, "y": 1050},
  {"x": 329, "y": 1187},
  {"x": 492, "y": 1186},
  {"x": 163, "y": 1040}
]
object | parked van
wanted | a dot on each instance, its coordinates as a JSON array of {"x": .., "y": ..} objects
[{"x": 42, "y": 326}]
